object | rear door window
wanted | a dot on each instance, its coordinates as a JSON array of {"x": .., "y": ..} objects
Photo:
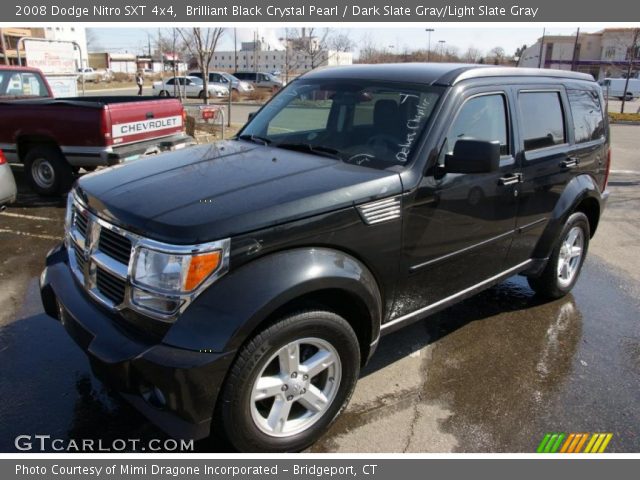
[
  {"x": 588, "y": 118},
  {"x": 543, "y": 123}
]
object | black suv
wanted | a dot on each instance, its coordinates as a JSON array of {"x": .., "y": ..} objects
[{"x": 238, "y": 288}]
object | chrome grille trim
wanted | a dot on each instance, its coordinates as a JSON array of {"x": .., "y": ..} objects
[
  {"x": 381, "y": 210},
  {"x": 85, "y": 242}
]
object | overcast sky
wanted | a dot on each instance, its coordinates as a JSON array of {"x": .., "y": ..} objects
[{"x": 135, "y": 40}]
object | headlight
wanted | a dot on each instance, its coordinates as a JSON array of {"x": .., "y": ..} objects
[
  {"x": 163, "y": 280},
  {"x": 174, "y": 273}
]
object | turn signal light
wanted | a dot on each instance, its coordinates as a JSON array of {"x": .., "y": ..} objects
[{"x": 201, "y": 267}]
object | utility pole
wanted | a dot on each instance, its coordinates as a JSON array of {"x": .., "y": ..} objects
[
  {"x": 544, "y": 30},
  {"x": 575, "y": 51},
  {"x": 235, "y": 49},
  {"x": 429, "y": 30},
  {"x": 632, "y": 57},
  {"x": 255, "y": 55}
]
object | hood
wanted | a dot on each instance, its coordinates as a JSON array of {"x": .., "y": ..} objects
[{"x": 217, "y": 191}]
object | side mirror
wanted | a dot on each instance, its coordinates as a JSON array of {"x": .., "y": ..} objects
[
  {"x": 251, "y": 115},
  {"x": 473, "y": 156}
]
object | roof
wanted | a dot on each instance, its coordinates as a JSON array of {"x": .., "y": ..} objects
[
  {"x": 443, "y": 74},
  {"x": 19, "y": 68}
]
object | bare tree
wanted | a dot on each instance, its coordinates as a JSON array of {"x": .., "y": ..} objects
[
  {"x": 632, "y": 54},
  {"x": 472, "y": 55},
  {"x": 518, "y": 53},
  {"x": 93, "y": 42},
  {"x": 341, "y": 42},
  {"x": 312, "y": 42},
  {"x": 202, "y": 43},
  {"x": 498, "y": 55}
]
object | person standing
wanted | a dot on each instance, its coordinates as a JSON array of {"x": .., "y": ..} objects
[{"x": 139, "y": 82}]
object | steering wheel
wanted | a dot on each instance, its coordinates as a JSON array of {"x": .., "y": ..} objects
[{"x": 388, "y": 141}]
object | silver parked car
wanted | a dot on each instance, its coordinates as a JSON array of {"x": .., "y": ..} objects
[
  {"x": 224, "y": 79},
  {"x": 7, "y": 183}
]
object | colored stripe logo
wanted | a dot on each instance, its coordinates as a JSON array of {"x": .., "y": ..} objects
[{"x": 574, "y": 443}]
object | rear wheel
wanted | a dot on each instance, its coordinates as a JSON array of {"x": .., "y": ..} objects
[
  {"x": 163, "y": 93},
  {"x": 289, "y": 382},
  {"x": 564, "y": 265},
  {"x": 47, "y": 171}
]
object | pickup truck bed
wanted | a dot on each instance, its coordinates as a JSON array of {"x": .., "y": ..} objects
[{"x": 54, "y": 137}]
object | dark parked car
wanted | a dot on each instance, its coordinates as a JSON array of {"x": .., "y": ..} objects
[{"x": 358, "y": 200}]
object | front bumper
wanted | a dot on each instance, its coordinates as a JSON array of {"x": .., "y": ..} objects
[{"x": 188, "y": 381}]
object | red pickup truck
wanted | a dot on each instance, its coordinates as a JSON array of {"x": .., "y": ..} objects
[{"x": 55, "y": 137}]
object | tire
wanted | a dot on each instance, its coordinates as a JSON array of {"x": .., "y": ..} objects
[
  {"x": 163, "y": 93},
  {"x": 47, "y": 171},
  {"x": 317, "y": 333},
  {"x": 562, "y": 270},
  {"x": 201, "y": 94}
]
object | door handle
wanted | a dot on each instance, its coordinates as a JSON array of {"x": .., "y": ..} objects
[
  {"x": 571, "y": 162},
  {"x": 510, "y": 179}
]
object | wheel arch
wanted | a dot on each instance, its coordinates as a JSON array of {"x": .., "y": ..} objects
[
  {"x": 581, "y": 194},
  {"x": 26, "y": 142},
  {"x": 225, "y": 316}
]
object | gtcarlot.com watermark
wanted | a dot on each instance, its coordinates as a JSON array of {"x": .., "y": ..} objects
[{"x": 47, "y": 443}]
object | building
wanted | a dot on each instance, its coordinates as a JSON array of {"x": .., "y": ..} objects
[
  {"x": 257, "y": 56},
  {"x": 602, "y": 54},
  {"x": 116, "y": 62},
  {"x": 9, "y": 38}
]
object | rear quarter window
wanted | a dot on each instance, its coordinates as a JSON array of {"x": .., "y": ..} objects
[
  {"x": 588, "y": 118},
  {"x": 543, "y": 123}
]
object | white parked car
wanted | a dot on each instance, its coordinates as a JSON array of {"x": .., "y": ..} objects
[
  {"x": 188, "y": 86},
  {"x": 89, "y": 74},
  {"x": 614, "y": 87},
  {"x": 7, "y": 182}
]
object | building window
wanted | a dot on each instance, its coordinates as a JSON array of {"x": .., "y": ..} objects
[{"x": 610, "y": 52}]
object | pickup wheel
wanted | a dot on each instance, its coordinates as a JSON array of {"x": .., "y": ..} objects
[
  {"x": 48, "y": 172},
  {"x": 201, "y": 94},
  {"x": 565, "y": 263},
  {"x": 289, "y": 382}
]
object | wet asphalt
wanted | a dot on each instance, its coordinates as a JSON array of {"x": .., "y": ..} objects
[{"x": 492, "y": 374}]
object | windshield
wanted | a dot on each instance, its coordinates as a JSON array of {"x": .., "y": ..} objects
[
  {"x": 373, "y": 124},
  {"x": 230, "y": 77}
]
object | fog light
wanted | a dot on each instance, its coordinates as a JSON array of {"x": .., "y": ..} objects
[{"x": 155, "y": 303}]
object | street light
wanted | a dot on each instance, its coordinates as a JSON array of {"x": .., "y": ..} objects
[
  {"x": 429, "y": 30},
  {"x": 442, "y": 42}
]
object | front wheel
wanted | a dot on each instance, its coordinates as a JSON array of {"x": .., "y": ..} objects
[
  {"x": 289, "y": 383},
  {"x": 564, "y": 265}
]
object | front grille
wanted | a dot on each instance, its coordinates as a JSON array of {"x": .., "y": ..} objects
[
  {"x": 80, "y": 220},
  {"x": 110, "y": 286},
  {"x": 115, "y": 245},
  {"x": 80, "y": 260}
]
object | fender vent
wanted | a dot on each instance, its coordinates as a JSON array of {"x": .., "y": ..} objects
[{"x": 380, "y": 211}]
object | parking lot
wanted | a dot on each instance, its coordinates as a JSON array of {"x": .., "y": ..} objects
[{"x": 493, "y": 374}]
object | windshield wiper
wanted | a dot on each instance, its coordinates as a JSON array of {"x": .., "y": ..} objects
[
  {"x": 255, "y": 139},
  {"x": 315, "y": 149}
]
